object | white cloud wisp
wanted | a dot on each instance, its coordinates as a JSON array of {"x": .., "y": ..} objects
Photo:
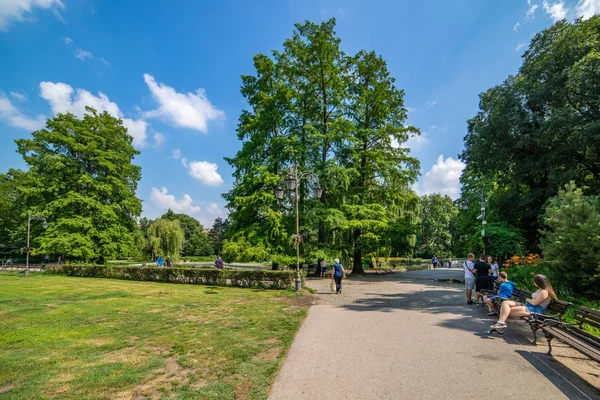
[
  {"x": 21, "y": 10},
  {"x": 63, "y": 98},
  {"x": 184, "y": 110},
  {"x": 588, "y": 8},
  {"x": 163, "y": 201},
  {"x": 556, "y": 11},
  {"x": 14, "y": 117},
  {"x": 444, "y": 177}
]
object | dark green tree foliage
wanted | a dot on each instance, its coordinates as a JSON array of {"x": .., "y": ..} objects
[
  {"x": 540, "y": 129},
  {"x": 13, "y": 223},
  {"x": 217, "y": 233},
  {"x": 195, "y": 241},
  {"x": 81, "y": 178},
  {"x": 434, "y": 236},
  {"x": 379, "y": 168},
  {"x": 342, "y": 119},
  {"x": 571, "y": 240},
  {"x": 166, "y": 238}
]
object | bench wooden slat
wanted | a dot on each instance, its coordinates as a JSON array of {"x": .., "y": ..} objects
[{"x": 564, "y": 336}]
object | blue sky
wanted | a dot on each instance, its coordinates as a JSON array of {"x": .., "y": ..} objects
[{"x": 172, "y": 71}]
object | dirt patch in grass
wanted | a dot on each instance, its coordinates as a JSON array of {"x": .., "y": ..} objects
[
  {"x": 306, "y": 300},
  {"x": 129, "y": 355},
  {"x": 99, "y": 341},
  {"x": 60, "y": 384},
  {"x": 270, "y": 354},
  {"x": 7, "y": 388},
  {"x": 240, "y": 391},
  {"x": 154, "y": 389},
  {"x": 271, "y": 341}
]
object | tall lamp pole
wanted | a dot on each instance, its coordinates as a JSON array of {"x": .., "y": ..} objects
[
  {"x": 465, "y": 206},
  {"x": 292, "y": 182},
  {"x": 44, "y": 225}
]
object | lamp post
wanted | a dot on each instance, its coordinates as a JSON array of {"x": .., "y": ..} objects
[
  {"x": 44, "y": 225},
  {"x": 465, "y": 206},
  {"x": 292, "y": 182}
]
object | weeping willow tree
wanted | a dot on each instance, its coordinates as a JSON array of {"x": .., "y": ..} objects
[{"x": 166, "y": 238}]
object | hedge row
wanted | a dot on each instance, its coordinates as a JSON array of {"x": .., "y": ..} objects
[{"x": 207, "y": 276}]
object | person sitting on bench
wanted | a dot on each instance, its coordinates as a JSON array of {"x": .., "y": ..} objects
[
  {"x": 536, "y": 305},
  {"x": 505, "y": 292}
]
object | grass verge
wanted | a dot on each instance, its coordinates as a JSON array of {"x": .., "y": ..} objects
[{"x": 88, "y": 338}]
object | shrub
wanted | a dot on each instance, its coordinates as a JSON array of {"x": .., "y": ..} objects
[
  {"x": 571, "y": 240},
  {"x": 531, "y": 260},
  {"x": 243, "y": 251},
  {"x": 209, "y": 276}
]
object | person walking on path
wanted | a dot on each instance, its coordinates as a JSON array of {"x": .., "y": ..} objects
[
  {"x": 168, "y": 262},
  {"x": 337, "y": 274},
  {"x": 219, "y": 263},
  {"x": 160, "y": 261},
  {"x": 323, "y": 266},
  {"x": 469, "y": 277},
  {"x": 450, "y": 262},
  {"x": 434, "y": 262}
]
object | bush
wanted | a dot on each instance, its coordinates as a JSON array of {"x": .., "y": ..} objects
[
  {"x": 209, "y": 276},
  {"x": 242, "y": 251},
  {"x": 571, "y": 240}
]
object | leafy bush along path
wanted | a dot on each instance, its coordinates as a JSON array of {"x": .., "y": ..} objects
[{"x": 91, "y": 338}]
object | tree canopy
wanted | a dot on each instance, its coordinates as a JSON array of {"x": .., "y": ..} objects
[
  {"x": 339, "y": 117},
  {"x": 539, "y": 129},
  {"x": 82, "y": 180}
]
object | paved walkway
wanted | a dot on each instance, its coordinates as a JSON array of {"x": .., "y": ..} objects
[{"x": 406, "y": 336}]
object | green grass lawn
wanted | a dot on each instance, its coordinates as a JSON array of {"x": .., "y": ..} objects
[{"x": 86, "y": 338}]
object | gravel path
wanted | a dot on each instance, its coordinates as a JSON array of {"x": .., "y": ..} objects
[{"x": 397, "y": 337}]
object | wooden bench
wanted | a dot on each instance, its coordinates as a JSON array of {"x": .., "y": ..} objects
[
  {"x": 555, "y": 310},
  {"x": 574, "y": 335}
]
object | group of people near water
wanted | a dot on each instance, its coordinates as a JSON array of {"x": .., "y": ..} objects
[
  {"x": 483, "y": 274},
  {"x": 439, "y": 262}
]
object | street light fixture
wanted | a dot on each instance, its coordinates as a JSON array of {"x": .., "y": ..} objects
[
  {"x": 465, "y": 206},
  {"x": 295, "y": 175},
  {"x": 44, "y": 225}
]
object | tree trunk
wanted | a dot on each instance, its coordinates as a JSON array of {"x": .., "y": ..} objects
[{"x": 357, "y": 258}]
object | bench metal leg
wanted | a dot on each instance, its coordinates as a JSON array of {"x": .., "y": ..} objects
[
  {"x": 549, "y": 338},
  {"x": 534, "y": 334}
]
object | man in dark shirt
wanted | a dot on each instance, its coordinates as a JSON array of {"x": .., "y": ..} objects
[{"x": 482, "y": 280}]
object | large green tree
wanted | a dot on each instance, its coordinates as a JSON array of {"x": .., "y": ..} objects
[
  {"x": 82, "y": 180},
  {"x": 195, "y": 241},
  {"x": 540, "y": 129},
  {"x": 340, "y": 118},
  {"x": 434, "y": 236},
  {"x": 166, "y": 238}
]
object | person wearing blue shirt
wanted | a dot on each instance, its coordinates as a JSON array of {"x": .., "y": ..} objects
[
  {"x": 160, "y": 261},
  {"x": 337, "y": 274},
  {"x": 505, "y": 292}
]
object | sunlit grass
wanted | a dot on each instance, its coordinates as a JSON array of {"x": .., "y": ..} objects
[{"x": 85, "y": 338}]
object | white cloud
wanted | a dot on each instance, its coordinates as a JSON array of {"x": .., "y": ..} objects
[
  {"x": 521, "y": 46},
  {"x": 159, "y": 139},
  {"x": 531, "y": 11},
  {"x": 184, "y": 162},
  {"x": 415, "y": 142},
  {"x": 62, "y": 99},
  {"x": 557, "y": 10},
  {"x": 214, "y": 209},
  {"x": 176, "y": 154},
  {"x": 431, "y": 103},
  {"x": 104, "y": 61},
  {"x": 587, "y": 8},
  {"x": 58, "y": 16},
  {"x": 187, "y": 110},
  {"x": 205, "y": 172},
  {"x": 83, "y": 54},
  {"x": 10, "y": 114},
  {"x": 516, "y": 27},
  {"x": 18, "y": 96},
  {"x": 163, "y": 200},
  {"x": 68, "y": 41},
  {"x": 444, "y": 177},
  {"x": 20, "y": 10}
]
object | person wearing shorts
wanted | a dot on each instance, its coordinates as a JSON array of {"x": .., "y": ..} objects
[
  {"x": 505, "y": 292},
  {"x": 469, "y": 277},
  {"x": 482, "y": 281}
]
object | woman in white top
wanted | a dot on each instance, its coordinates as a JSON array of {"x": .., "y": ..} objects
[
  {"x": 536, "y": 305},
  {"x": 494, "y": 266}
]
